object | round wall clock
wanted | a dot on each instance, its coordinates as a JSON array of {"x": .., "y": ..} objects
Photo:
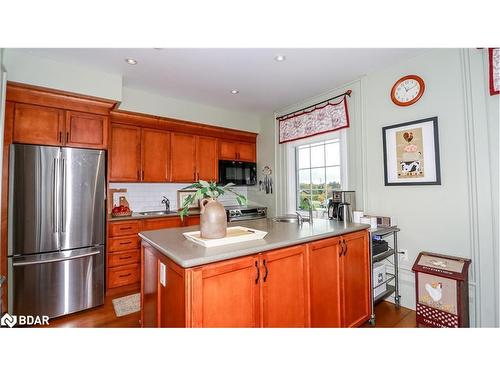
[{"x": 407, "y": 90}]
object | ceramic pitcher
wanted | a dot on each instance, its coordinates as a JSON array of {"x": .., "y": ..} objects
[{"x": 213, "y": 221}]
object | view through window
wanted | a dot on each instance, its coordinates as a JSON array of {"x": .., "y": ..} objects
[{"x": 318, "y": 172}]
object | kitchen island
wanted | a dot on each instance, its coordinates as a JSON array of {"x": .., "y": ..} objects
[{"x": 314, "y": 275}]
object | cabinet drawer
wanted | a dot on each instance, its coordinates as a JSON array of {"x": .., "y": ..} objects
[
  {"x": 123, "y": 275},
  {"x": 123, "y": 228},
  {"x": 124, "y": 257},
  {"x": 124, "y": 243},
  {"x": 170, "y": 222}
]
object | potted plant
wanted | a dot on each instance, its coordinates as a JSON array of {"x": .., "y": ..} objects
[{"x": 213, "y": 221}]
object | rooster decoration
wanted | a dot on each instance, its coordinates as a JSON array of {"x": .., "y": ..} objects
[{"x": 435, "y": 291}]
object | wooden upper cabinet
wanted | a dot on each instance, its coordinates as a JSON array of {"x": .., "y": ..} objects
[
  {"x": 124, "y": 155},
  {"x": 246, "y": 151},
  {"x": 182, "y": 157},
  {"x": 207, "y": 161},
  {"x": 38, "y": 125},
  {"x": 356, "y": 279},
  {"x": 226, "y": 294},
  {"x": 227, "y": 150},
  {"x": 86, "y": 130},
  {"x": 285, "y": 288},
  {"x": 243, "y": 151},
  {"x": 325, "y": 293},
  {"x": 155, "y": 151}
]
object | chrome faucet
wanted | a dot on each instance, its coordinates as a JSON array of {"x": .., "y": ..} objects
[
  {"x": 166, "y": 202},
  {"x": 309, "y": 219}
]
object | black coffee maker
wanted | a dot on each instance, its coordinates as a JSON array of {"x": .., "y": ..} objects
[{"x": 340, "y": 198}]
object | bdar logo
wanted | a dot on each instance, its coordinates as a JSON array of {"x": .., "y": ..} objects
[{"x": 8, "y": 320}]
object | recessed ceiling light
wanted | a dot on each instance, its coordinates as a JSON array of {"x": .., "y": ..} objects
[
  {"x": 131, "y": 61},
  {"x": 280, "y": 58},
  {"x": 234, "y": 91}
]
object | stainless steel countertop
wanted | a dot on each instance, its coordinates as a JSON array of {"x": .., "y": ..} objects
[
  {"x": 138, "y": 216},
  {"x": 187, "y": 254}
]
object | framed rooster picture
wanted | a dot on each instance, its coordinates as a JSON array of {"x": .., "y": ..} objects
[{"x": 411, "y": 153}]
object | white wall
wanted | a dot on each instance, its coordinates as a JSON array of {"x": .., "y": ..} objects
[
  {"x": 26, "y": 68},
  {"x": 144, "y": 102},
  {"x": 456, "y": 217},
  {"x": 265, "y": 157}
]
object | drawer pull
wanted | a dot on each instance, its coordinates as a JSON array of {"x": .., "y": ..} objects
[
  {"x": 125, "y": 228},
  {"x": 125, "y": 243},
  {"x": 130, "y": 256},
  {"x": 128, "y": 274}
]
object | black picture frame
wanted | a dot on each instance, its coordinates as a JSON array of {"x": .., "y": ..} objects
[{"x": 437, "y": 180}]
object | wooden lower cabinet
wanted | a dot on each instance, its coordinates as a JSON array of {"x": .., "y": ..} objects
[
  {"x": 226, "y": 294},
  {"x": 124, "y": 244},
  {"x": 285, "y": 297},
  {"x": 323, "y": 283},
  {"x": 340, "y": 281}
]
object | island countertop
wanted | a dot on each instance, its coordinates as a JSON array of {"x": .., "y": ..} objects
[{"x": 186, "y": 254}]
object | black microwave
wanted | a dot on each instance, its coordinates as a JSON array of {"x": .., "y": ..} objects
[{"x": 237, "y": 172}]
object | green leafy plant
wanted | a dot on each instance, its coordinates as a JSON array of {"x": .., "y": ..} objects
[{"x": 208, "y": 190}]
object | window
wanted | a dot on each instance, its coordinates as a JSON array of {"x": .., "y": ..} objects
[{"x": 318, "y": 172}]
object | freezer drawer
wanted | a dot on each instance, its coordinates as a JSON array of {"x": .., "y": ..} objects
[{"x": 57, "y": 283}]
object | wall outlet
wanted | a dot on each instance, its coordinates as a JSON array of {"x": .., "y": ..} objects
[{"x": 403, "y": 255}]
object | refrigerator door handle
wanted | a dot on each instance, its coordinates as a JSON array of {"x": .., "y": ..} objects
[
  {"x": 60, "y": 259},
  {"x": 63, "y": 199},
  {"x": 54, "y": 197}
]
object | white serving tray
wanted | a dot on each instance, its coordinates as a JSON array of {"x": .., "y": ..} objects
[{"x": 234, "y": 235}]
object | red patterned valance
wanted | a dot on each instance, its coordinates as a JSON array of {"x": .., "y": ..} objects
[
  {"x": 494, "y": 70},
  {"x": 327, "y": 118}
]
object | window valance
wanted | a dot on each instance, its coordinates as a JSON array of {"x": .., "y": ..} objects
[{"x": 314, "y": 120}]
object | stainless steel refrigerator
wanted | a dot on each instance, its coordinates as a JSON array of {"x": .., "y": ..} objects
[{"x": 57, "y": 216}]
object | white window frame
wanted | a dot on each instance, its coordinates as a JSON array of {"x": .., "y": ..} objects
[{"x": 292, "y": 187}]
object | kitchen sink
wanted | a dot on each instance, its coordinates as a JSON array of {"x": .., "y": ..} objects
[
  {"x": 286, "y": 219},
  {"x": 155, "y": 213}
]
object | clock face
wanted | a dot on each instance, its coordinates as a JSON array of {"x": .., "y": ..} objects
[{"x": 407, "y": 90}]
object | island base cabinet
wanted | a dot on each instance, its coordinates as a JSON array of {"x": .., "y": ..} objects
[
  {"x": 226, "y": 294},
  {"x": 340, "y": 281},
  {"x": 285, "y": 297}
]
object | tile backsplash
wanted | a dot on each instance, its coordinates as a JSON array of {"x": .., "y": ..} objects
[{"x": 148, "y": 196}]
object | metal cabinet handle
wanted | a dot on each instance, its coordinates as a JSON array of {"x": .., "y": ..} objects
[
  {"x": 125, "y": 228},
  {"x": 67, "y": 137},
  {"x": 60, "y": 137},
  {"x": 267, "y": 271},
  {"x": 138, "y": 175},
  {"x": 130, "y": 256},
  {"x": 125, "y": 243},
  {"x": 258, "y": 272},
  {"x": 128, "y": 274},
  {"x": 63, "y": 184},
  {"x": 345, "y": 247}
]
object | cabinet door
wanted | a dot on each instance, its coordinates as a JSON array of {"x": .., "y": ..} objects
[
  {"x": 155, "y": 147},
  {"x": 183, "y": 157},
  {"x": 171, "y": 296},
  {"x": 227, "y": 150},
  {"x": 38, "y": 125},
  {"x": 86, "y": 130},
  {"x": 162, "y": 223},
  {"x": 207, "y": 158},
  {"x": 124, "y": 160},
  {"x": 324, "y": 263},
  {"x": 356, "y": 279},
  {"x": 226, "y": 294},
  {"x": 285, "y": 290},
  {"x": 246, "y": 151}
]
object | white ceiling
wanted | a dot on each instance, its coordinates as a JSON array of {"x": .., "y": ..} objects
[{"x": 207, "y": 75}]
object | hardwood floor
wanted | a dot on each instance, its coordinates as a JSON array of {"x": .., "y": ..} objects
[
  {"x": 387, "y": 316},
  {"x": 99, "y": 317}
]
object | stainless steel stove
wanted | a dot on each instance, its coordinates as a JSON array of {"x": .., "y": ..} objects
[{"x": 238, "y": 213}]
